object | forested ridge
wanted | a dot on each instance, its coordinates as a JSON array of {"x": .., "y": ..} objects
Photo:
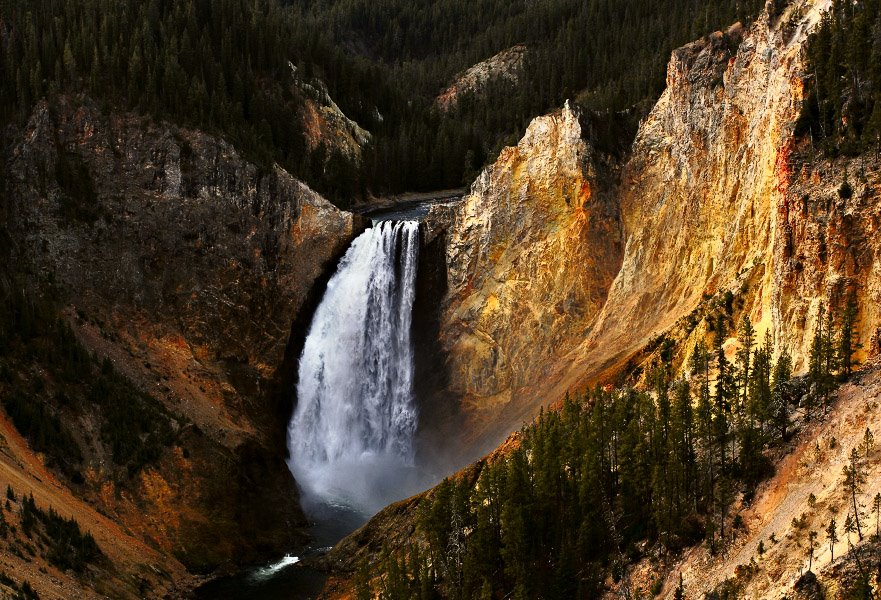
[
  {"x": 610, "y": 55},
  {"x": 224, "y": 66},
  {"x": 842, "y": 109},
  {"x": 616, "y": 472}
]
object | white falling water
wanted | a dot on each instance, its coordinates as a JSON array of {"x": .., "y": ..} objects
[{"x": 351, "y": 435}]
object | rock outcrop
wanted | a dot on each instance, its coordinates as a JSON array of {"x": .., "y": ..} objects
[
  {"x": 324, "y": 123},
  {"x": 531, "y": 254},
  {"x": 185, "y": 265},
  {"x": 701, "y": 191},
  {"x": 507, "y": 66},
  {"x": 721, "y": 195}
]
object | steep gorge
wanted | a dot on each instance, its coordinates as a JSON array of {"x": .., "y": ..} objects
[
  {"x": 566, "y": 268},
  {"x": 194, "y": 273},
  {"x": 185, "y": 266}
]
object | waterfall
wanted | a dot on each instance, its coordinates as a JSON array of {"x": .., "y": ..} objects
[{"x": 351, "y": 435}]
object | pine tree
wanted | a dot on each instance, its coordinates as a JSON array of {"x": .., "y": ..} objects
[
  {"x": 724, "y": 393},
  {"x": 780, "y": 401},
  {"x": 876, "y": 508},
  {"x": 746, "y": 339},
  {"x": 822, "y": 358},
  {"x": 847, "y": 342},
  {"x": 854, "y": 478},
  {"x": 363, "y": 590},
  {"x": 760, "y": 385},
  {"x": 812, "y": 543},
  {"x": 832, "y": 536},
  {"x": 849, "y": 528},
  {"x": 868, "y": 442},
  {"x": 679, "y": 593}
]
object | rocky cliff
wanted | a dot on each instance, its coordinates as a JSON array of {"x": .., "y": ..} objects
[
  {"x": 185, "y": 266},
  {"x": 707, "y": 180},
  {"x": 721, "y": 195},
  {"x": 531, "y": 254},
  {"x": 506, "y": 66},
  {"x": 558, "y": 277},
  {"x": 325, "y": 124}
]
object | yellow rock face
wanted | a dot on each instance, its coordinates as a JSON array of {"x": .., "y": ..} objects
[
  {"x": 531, "y": 255},
  {"x": 708, "y": 195},
  {"x": 556, "y": 280}
]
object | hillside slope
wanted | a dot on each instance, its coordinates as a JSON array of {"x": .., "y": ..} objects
[
  {"x": 182, "y": 278},
  {"x": 808, "y": 487},
  {"x": 134, "y": 567},
  {"x": 763, "y": 555}
]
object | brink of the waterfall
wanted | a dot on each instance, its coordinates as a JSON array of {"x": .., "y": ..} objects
[{"x": 351, "y": 435}]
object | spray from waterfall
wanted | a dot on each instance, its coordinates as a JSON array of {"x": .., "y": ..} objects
[{"x": 351, "y": 435}]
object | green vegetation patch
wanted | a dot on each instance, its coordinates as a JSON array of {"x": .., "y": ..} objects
[
  {"x": 842, "y": 109},
  {"x": 64, "y": 544},
  {"x": 615, "y": 473}
]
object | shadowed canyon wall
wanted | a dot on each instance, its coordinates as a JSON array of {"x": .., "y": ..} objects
[{"x": 185, "y": 265}]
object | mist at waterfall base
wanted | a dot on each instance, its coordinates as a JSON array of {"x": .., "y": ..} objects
[{"x": 351, "y": 438}]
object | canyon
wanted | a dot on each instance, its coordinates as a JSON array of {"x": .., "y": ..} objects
[
  {"x": 567, "y": 268},
  {"x": 595, "y": 258},
  {"x": 196, "y": 273}
]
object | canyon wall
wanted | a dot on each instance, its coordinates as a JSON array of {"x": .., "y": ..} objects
[
  {"x": 531, "y": 253},
  {"x": 559, "y": 276},
  {"x": 721, "y": 195},
  {"x": 185, "y": 265}
]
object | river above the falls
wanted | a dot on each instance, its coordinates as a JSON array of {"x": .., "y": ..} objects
[{"x": 410, "y": 207}]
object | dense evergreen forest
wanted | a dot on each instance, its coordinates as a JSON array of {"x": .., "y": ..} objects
[
  {"x": 224, "y": 66},
  {"x": 614, "y": 469},
  {"x": 608, "y": 54},
  {"x": 842, "y": 112},
  {"x": 219, "y": 65}
]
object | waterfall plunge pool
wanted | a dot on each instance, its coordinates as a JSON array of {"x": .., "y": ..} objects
[
  {"x": 287, "y": 578},
  {"x": 351, "y": 437}
]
